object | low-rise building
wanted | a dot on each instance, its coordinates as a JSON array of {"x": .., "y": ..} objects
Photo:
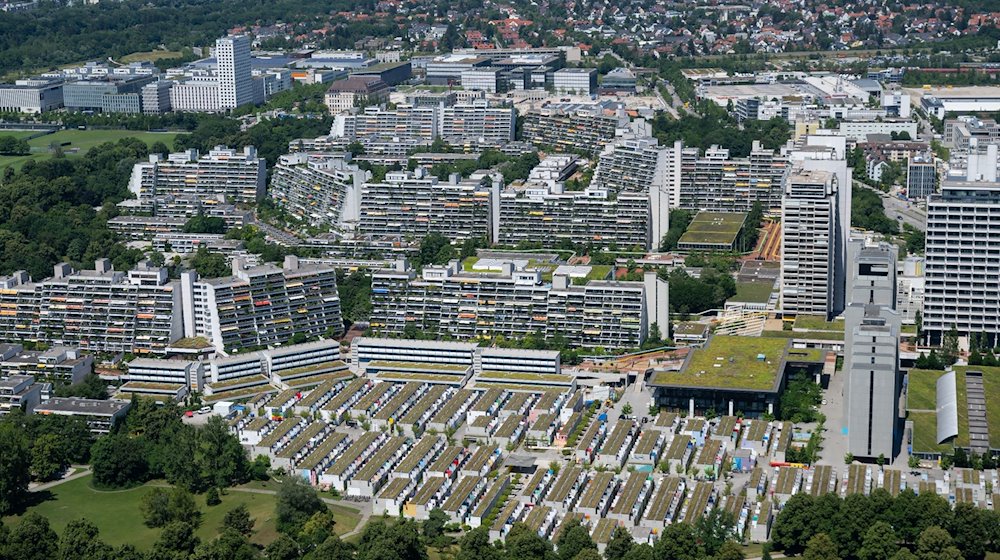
[{"x": 101, "y": 415}]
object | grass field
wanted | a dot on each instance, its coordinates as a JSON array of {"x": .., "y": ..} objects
[
  {"x": 19, "y": 133},
  {"x": 730, "y": 362},
  {"x": 149, "y": 56},
  {"x": 117, "y": 515},
  {"x": 715, "y": 228},
  {"x": 75, "y": 143}
]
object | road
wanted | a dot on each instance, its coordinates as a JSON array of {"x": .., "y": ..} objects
[{"x": 896, "y": 209}]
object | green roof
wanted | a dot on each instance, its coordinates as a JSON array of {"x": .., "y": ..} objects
[
  {"x": 386, "y": 364},
  {"x": 813, "y": 335},
  {"x": 818, "y": 323},
  {"x": 730, "y": 362},
  {"x": 807, "y": 355},
  {"x": 717, "y": 228},
  {"x": 753, "y": 292},
  {"x": 921, "y": 404},
  {"x": 527, "y": 377},
  {"x": 191, "y": 343}
]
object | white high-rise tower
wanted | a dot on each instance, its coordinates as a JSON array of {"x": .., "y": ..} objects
[{"x": 235, "y": 77}]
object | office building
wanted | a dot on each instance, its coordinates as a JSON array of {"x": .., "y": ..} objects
[
  {"x": 193, "y": 96},
  {"x": 619, "y": 80},
  {"x": 263, "y": 305},
  {"x": 416, "y": 203},
  {"x": 100, "y": 310},
  {"x": 921, "y": 177},
  {"x": 871, "y": 338},
  {"x": 235, "y": 176},
  {"x": 964, "y": 133},
  {"x": 447, "y": 69},
  {"x": 588, "y": 311},
  {"x": 108, "y": 95},
  {"x": 322, "y": 189},
  {"x": 859, "y": 131},
  {"x": 808, "y": 235},
  {"x": 580, "y": 81},
  {"x": 354, "y": 92},
  {"x": 486, "y": 79},
  {"x": 963, "y": 261},
  {"x": 31, "y": 96},
  {"x": 235, "y": 76}
]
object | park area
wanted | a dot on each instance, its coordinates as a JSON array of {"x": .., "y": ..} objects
[
  {"x": 921, "y": 406},
  {"x": 117, "y": 514},
  {"x": 74, "y": 143}
]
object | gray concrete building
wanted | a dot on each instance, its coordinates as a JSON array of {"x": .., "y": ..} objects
[{"x": 808, "y": 233}]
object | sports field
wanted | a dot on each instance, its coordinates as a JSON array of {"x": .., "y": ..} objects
[
  {"x": 712, "y": 230},
  {"x": 75, "y": 143},
  {"x": 116, "y": 513}
]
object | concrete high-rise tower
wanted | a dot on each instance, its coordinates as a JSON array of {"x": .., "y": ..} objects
[{"x": 232, "y": 54}]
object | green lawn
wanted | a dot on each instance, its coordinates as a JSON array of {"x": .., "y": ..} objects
[
  {"x": 149, "y": 56},
  {"x": 713, "y": 227},
  {"x": 79, "y": 141},
  {"x": 116, "y": 513},
  {"x": 730, "y": 362},
  {"x": 922, "y": 395},
  {"x": 18, "y": 133},
  {"x": 815, "y": 335}
]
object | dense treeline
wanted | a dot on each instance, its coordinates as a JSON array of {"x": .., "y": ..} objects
[
  {"x": 714, "y": 127},
  {"x": 57, "y": 209},
  {"x": 868, "y": 212},
  {"x": 54, "y": 34},
  {"x": 880, "y": 526}
]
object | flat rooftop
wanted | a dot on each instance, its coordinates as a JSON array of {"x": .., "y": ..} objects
[
  {"x": 730, "y": 363},
  {"x": 715, "y": 228},
  {"x": 93, "y": 407}
]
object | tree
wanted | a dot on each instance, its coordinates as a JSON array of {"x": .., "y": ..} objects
[
  {"x": 820, "y": 547},
  {"x": 210, "y": 265},
  {"x": 522, "y": 543},
  {"x": 183, "y": 508},
  {"x": 678, "y": 542},
  {"x": 230, "y": 545},
  {"x": 880, "y": 542},
  {"x": 588, "y": 554},
  {"x": 90, "y": 387},
  {"x": 730, "y": 551},
  {"x": 221, "y": 459},
  {"x": 573, "y": 539},
  {"x": 332, "y": 549},
  {"x": 205, "y": 224},
  {"x": 32, "y": 539},
  {"x": 239, "y": 520},
  {"x": 119, "y": 461},
  {"x": 296, "y": 503},
  {"x": 794, "y": 526},
  {"x": 434, "y": 525},
  {"x": 640, "y": 552},
  {"x": 475, "y": 545},
  {"x": 713, "y": 529},
  {"x": 949, "y": 346},
  {"x": 970, "y": 529},
  {"x": 619, "y": 545},
  {"x": 155, "y": 508},
  {"x": 79, "y": 542},
  {"x": 282, "y": 548},
  {"x": 212, "y": 497},
  {"x": 934, "y": 543},
  {"x": 627, "y": 409},
  {"x": 14, "y": 467},
  {"x": 400, "y": 541},
  {"x": 177, "y": 537},
  {"x": 317, "y": 529}
]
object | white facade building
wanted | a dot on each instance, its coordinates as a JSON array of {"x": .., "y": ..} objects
[{"x": 234, "y": 71}]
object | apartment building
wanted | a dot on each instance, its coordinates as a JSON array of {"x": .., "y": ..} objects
[
  {"x": 572, "y": 129},
  {"x": 404, "y": 121},
  {"x": 415, "y": 203},
  {"x": 101, "y": 416},
  {"x": 516, "y": 302},
  {"x": 162, "y": 214},
  {"x": 477, "y": 121},
  {"x": 19, "y": 392},
  {"x": 235, "y": 176},
  {"x": 809, "y": 209},
  {"x": 58, "y": 365},
  {"x": 263, "y": 305},
  {"x": 97, "y": 310},
  {"x": 549, "y": 215},
  {"x": 322, "y": 189},
  {"x": 963, "y": 260},
  {"x": 718, "y": 182}
]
